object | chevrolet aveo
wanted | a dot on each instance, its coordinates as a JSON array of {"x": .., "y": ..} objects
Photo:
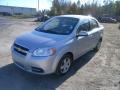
[{"x": 56, "y": 43}]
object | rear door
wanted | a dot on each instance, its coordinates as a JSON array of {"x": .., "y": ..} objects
[{"x": 94, "y": 32}]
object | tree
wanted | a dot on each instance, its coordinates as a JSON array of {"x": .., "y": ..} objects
[
  {"x": 117, "y": 8},
  {"x": 94, "y": 8}
]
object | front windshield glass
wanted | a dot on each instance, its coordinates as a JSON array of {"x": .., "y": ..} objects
[{"x": 59, "y": 25}]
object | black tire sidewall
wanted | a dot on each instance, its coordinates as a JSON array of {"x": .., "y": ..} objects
[
  {"x": 58, "y": 71},
  {"x": 97, "y": 48}
]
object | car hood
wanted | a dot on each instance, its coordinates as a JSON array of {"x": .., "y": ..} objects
[{"x": 33, "y": 40}]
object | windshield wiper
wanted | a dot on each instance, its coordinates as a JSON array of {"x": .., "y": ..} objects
[
  {"x": 49, "y": 31},
  {"x": 46, "y": 31}
]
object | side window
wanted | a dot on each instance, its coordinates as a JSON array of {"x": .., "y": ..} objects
[
  {"x": 84, "y": 25},
  {"x": 93, "y": 24}
]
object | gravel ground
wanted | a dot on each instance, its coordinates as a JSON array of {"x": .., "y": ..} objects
[{"x": 93, "y": 71}]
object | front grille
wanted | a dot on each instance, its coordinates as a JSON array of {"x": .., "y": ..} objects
[
  {"x": 20, "y": 49},
  {"x": 37, "y": 70}
]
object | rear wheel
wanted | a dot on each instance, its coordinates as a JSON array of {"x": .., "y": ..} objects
[
  {"x": 64, "y": 65},
  {"x": 98, "y": 46}
]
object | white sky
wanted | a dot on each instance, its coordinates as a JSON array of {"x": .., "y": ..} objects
[{"x": 43, "y": 4}]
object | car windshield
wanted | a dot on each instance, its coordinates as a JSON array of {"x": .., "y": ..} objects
[{"x": 59, "y": 25}]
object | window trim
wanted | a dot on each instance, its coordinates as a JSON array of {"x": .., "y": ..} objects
[
  {"x": 78, "y": 31},
  {"x": 96, "y": 23}
]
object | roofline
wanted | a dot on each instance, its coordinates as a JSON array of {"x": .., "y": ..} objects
[{"x": 76, "y": 16}]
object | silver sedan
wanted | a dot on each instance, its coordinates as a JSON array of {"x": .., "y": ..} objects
[{"x": 55, "y": 44}]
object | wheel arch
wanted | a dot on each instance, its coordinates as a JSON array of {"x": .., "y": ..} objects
[
  {"x": 65, "y": 54},
  {"x": 58, "y": 59},
  {"x": 71, "y": 54}
]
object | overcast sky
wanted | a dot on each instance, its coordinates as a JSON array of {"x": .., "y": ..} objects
[{"x": 44, "y": 4}]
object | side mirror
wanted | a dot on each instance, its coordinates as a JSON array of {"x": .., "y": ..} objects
[{"x": 82, "y": 33}]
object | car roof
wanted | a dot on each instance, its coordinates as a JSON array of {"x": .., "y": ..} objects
[{"x": 77, "y": 16}]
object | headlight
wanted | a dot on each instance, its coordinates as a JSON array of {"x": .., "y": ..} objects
[{"x": 44, "y": 52}]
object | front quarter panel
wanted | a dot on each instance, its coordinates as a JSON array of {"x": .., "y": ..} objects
[{"x": 62, "y": 49}]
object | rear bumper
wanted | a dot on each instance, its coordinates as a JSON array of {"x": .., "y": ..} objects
[{"x": 36, "y": 65}]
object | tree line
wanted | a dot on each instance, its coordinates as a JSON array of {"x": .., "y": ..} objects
[{"x": 60, "y": 7}]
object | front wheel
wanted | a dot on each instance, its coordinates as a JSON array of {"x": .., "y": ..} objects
[{"x": 64, "y": 65}]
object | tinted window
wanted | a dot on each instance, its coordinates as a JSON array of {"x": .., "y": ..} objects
[
  {"x": 84, "y": 25},
  {"x": 59, "y": 25},
  {"x": 93, "y": 24}
]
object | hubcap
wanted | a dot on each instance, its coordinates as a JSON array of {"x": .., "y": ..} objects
[{"x": 65, "y": 65}]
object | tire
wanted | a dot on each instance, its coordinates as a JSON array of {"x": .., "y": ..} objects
[
  {"x": 98, "y": 46},
  {"x": 119, "y": 27},
  {"x": 64, "y": 65}
]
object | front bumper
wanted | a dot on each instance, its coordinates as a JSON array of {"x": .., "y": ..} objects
[{"x": 36, "y": 65}]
